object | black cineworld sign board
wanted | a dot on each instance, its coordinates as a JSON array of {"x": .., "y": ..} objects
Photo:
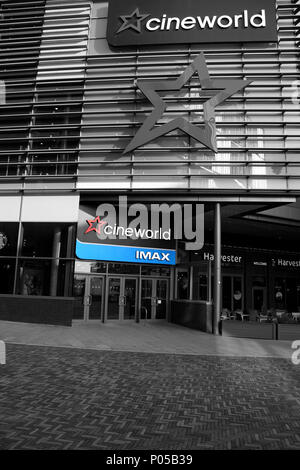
[{"x": 142, "y": 22}]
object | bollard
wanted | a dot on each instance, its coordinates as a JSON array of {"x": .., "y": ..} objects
[
  {"x": 275, "y": 329},
  {"x": 2, "y": 353}
]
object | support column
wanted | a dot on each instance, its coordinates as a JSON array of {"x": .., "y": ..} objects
[
  {"x": 209, "y": 281},
  {"x": 55, "y": 261},
  {"x": 191, "y": 276},
  {"x": 217, "y": 270},
  {"x": 69, "y": 275}
]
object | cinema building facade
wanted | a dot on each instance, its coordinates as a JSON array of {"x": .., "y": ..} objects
[{"x": 195, "y": 108}]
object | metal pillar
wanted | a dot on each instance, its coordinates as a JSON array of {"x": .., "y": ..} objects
[
  {"x": 68, "y": 287},
  {"x": 191, "y": 275},
  {"x": 55, "y": 261},
  {"x": 217, "y": 270},
  {"x": 209, "y": 281}
]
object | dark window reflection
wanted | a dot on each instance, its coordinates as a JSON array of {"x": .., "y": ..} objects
[
  {"x": 200, "y": 284},
  {"x": 64, "y": 285},
  {"x": 7, "y": 272},
  {"x": 155, "y": 271},
  {"x": 34, "y": 277},
  {"x": 8, "y": 239},
  {"x": 98, "y": 267},
  {"x": 226, "y": 292},
  {"x": 45, "y": 277},
  {"x": 39, "y": 238},
  {"x": 115, "y": 268},
  {"x": 183, "y": 285},
  {"x": 237, "y": 293}
]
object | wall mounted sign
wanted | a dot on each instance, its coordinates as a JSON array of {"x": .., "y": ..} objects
[
  {"x": 205, "y": 133},
  {"x": 156, "y": 22},
  {"x": 237, "y": 295},
  {"x": 137, "y": 233},
  {"x": 228, "y": 258},
  {"x": 286, "y": 263}
]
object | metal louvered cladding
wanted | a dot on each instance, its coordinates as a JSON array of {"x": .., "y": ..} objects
[
  {"x": 73, "y": 105},
  {"x": 21, "y": 30},
  {"x": 297, "y": 21},
  {"x": 43, "y": 49}
]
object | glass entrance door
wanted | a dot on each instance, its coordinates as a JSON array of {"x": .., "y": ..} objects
[
  {"x": 116, "y": 298},
  {"x": 79, "y": 293},
  {"x": 162, "y": 293},
  {"x": 95, "y": 299},
  {"x": 89, "y": 297},
  {"x": 113, "y": 298},
  {"x": 146, "y": 299},
  {"x": 154, "y": 299},
  {"x": 130, "y": 298},
  {"x": 121, "y": 298},
  {"x": 259, "y": 299}
]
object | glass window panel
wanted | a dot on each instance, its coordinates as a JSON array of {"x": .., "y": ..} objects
[
  {"x": 280, "y": 293},
  {"x": 293, "y": 170},
  {"x": 200, "y": 284},
  {"x": 79, "y": 293},
  {"x": 8, "y": 239},
  {"x": 90, "y": 267},
  {"x": 155, "y": 271},
  {"x": 183, "y": 285},
  {"x": 161, "y": 169},
  {"x": 226, "y": 293},
  {"x": 219, "y": 183},
  {"x": 237, "y": 293},
  {"x": 264, "y": 184},
  {"x": 64, "y": 279},
  {"x": 38, "y": 240},
  {"x": 118, "y": 268},
  {"x": 7, "y": 274},
  {"x": 34, "y": 277}
]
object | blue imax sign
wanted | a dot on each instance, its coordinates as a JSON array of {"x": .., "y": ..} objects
[{"x": 126, "y": 254}]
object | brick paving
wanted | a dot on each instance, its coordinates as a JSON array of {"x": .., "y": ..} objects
[
  {"x": 59, "y": 398},
  {"x": 148, "y": 337}
]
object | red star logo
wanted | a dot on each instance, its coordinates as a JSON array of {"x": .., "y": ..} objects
[{"x": 96, "y": 228}]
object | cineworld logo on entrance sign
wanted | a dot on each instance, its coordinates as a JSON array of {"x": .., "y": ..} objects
[
  {"x": 138, "y": 233},
  {"x": 140, "y": 22},
  {"x": 165, "y": 23}
]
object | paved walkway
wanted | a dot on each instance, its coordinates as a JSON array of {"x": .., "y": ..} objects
[
  {"x": 97, "y": 387},
  {"x": 150, "y": 337},
  {"x": 63, "y": 398}
]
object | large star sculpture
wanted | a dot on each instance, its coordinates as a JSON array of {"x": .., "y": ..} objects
[
  {"x": 128, "y": 24},
  {"x": 204, "y": 133}
]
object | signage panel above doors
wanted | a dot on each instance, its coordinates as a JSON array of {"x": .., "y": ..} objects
[{"x": 140, "y": 22}]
